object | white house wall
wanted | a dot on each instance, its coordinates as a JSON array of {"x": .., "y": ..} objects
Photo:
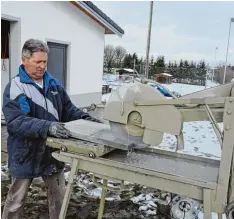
[{"x": 62, "y": 21}]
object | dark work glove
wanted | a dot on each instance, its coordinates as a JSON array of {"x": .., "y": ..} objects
[
  {"x": 89, "y": 118},
  {"x": 58, "y": 130}
]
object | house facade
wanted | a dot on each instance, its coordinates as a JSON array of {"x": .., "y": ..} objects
[{"x": 75, "y": 33}]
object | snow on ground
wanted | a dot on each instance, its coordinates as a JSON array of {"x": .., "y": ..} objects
[
  {"x": 199, "y": 137},
  {"x": 199, "y": 140},
  {"x": 184, "y": 89}
]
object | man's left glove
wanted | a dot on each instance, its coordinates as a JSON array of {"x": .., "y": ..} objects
[
  {"x": 93, "y": 119},
  {"x": 90, "y": 118},
  {"x": 58, "y": 130}
]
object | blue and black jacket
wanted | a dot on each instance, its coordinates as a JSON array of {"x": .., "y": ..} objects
[{"x": 29, "y": 111}]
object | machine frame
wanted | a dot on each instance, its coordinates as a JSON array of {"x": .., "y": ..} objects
[{"x": 215, "y": 196}]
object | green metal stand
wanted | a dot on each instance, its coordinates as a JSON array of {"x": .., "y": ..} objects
[
  {"x": 67, "y": 195},
  {"x": 103, "y": 197}
]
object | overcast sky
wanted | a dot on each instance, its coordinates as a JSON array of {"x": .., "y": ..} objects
[{"x": 187, "y": 30}]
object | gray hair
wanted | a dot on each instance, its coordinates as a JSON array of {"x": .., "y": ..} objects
[{"x": 34, "y": 45}]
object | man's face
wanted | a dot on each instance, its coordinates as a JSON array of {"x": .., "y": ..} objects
[{"x": 35, "y": 66}]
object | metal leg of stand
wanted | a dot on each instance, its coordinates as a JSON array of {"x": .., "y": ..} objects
[
  {"x": 207, "y": 203},
  {"x": 67, "y": 196},
  {"x": 103, "y": 197}
]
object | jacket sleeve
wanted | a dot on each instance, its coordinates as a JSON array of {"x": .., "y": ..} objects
[
  {"x": 16, "y": 110},
  {"x": 70, "y": 111}
]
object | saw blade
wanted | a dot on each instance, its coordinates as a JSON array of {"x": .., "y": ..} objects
[{"x": 124, "y": 133}]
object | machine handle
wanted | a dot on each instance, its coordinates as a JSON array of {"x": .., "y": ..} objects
[{"x": 91, "y": 107}]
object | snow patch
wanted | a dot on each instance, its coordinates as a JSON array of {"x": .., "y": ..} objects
[{"x": 146, "y": 203}]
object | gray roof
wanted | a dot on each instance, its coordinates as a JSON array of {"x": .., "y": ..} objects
[{"x": 103, "y": 15}]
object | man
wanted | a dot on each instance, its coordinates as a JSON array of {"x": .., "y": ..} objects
[{"x": 34, "y": 104}]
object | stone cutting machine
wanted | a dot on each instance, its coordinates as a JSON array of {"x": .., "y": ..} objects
[{"x": 137, "y": 116}]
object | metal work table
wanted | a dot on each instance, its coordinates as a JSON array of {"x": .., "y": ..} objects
[{"x": 202, "y": 171}]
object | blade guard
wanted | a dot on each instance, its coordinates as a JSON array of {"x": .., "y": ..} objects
[{"x": 155, "y": 119}]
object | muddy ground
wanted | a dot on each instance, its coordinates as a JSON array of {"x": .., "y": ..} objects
[{"x": 83, "y": 206}]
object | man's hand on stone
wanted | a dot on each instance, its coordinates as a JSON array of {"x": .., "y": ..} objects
[
  {"x": 93, "y": 119},
  {"x": 90, "y": 118},
  {"x": 58, "y": 130}
]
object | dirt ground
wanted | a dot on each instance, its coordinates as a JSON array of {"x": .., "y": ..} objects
[{"x": 82, "y": 206}]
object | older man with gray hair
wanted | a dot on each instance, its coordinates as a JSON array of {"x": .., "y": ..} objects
[{"x": 34, "y": 105}]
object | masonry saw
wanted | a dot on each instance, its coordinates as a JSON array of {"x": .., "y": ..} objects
[
  {"x": 139, "y": 114},
  {"x": 136, "y": 116}
]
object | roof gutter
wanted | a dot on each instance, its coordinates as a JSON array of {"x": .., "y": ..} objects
[{"x": 97, "y": 16}]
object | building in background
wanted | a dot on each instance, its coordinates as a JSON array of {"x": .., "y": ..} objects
[
  {"x": 75, "y": 33},
  {"x": 163, "y": 78},
  {"x": 219, "y": 73}
]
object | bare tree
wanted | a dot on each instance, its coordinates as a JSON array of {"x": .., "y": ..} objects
[
  {"x": 109, "y": 57},
  {"x": 120, "y": 53}
]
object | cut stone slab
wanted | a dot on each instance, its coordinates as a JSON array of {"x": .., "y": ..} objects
[{"x": 89, "y": 136}]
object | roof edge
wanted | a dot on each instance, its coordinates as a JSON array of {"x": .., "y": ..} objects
[{"x": 100, "y": 18}]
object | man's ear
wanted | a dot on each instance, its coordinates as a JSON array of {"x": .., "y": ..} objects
[{"x": 24, "y": 60}]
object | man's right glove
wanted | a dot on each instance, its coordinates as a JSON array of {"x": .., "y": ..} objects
[{"x": 58, "y": 130}]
